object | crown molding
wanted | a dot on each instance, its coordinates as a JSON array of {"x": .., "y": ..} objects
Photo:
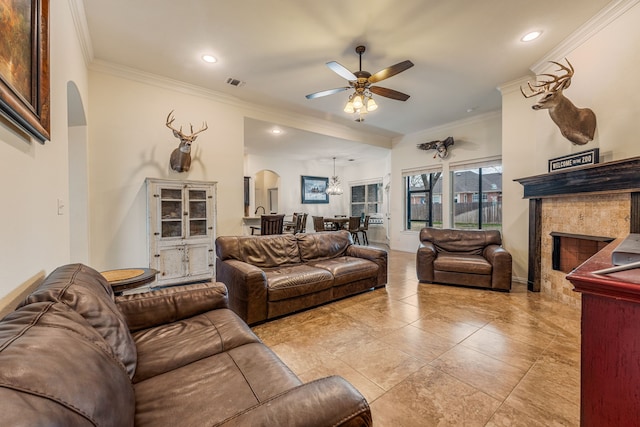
[
  {"x": 515, "y": 85},
  {"x": 82, "y": 29},
  {"x": 599, "y": 21}
]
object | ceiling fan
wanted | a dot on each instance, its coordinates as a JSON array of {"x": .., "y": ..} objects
[{"x": 361, "y": 81}]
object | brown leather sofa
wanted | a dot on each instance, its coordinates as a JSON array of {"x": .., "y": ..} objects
[
  {"x": 72, "y": 355},
  {"x": 464, "y": 257},
  {"x": 270, "y": 276}
]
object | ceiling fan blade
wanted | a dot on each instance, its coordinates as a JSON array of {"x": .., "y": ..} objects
[
  {"x": 327, "y": 92},
  {"x": 389, "y": 93},
  {"x": 390, "y": 71},
  {"x": 341, "y": 71}
]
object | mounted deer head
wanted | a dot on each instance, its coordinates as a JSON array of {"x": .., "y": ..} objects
[
  {"x": 180, "y": 160},
  {"x": 578, "y": 125}
]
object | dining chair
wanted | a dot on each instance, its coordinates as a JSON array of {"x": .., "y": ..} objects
[
  {"x": 269, "y": 224},
  {"x": 290, "y": 226},
  {"x": 301, "y": 225},
  {"x": 364, "y": 228},
  {"x": 318, "y": 223},
  {"x": 354, "y": 228}
]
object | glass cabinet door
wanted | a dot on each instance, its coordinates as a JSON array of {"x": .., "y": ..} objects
[
  {"x": 171, "y": 212},
  {"x": 197, "y": 213}
]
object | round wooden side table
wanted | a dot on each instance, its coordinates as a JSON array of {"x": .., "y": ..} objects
[{"x": 129, "y": 278}]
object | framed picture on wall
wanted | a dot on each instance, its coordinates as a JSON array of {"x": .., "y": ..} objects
[
  {"x": 314, "y": 189},
  {"x": 24, "y": 66}
]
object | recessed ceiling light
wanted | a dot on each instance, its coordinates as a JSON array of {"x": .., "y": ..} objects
[
  {"x": 276, "y": 131},
  {"x": 531, "y": 36},
  {"x": 210, "y": 59}
]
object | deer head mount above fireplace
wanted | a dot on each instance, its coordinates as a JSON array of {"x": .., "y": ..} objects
[
  {"x": 578, "y": 125},
  {"x": 180, "y": 160}
]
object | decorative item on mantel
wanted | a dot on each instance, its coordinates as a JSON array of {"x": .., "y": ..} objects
[
  {"x": 578, "y": 125},
  {"x": 180, "y": 160},
  {"x": 583, "y": 158},
  {"x": 441, "y": 147}
]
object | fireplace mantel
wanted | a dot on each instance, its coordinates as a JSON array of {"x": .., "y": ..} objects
[{"x": 621, "y": 176}]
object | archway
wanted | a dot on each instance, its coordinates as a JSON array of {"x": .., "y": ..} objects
[
  {"x": 266, "y": 191},
  {"x": 78, "y": 176}
]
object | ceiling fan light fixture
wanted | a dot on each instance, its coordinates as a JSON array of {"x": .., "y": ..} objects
[
  {"x": 371, "y": 105},
  {"x": 357, "y": 102},
  {"x": 349, "y": 107},
  {"x": 361, "y": 100}
]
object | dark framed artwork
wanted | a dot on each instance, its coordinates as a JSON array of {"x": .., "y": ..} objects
[
  {"x": 24, "y": 66},
  {"x": 314, "y": 189}
]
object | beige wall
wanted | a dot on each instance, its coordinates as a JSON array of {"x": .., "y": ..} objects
[
  {"x": 35, "y": 239},
  {"x": 130, "y": 142}
]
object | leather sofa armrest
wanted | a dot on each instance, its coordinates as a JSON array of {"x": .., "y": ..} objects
[
  {"x": 330, "y": 401},
  {"x": 148, "y": 309},
  {"x": 247, "y": 289},
  {"x": 424, "y": 261},
  {"x": 379, "y": 256},
  {"x": 501, "y": 265}
]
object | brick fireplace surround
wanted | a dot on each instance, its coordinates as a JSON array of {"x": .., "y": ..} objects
[{"x": 597, "y": 200}]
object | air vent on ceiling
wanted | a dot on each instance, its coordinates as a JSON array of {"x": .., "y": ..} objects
[{"x": 235, "y": 82}]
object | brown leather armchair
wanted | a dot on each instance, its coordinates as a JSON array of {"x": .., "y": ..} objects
[{"x": 463, "y": 257}]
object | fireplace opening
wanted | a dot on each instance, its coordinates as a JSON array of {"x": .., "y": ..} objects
[{"x": 571, "y": 250}]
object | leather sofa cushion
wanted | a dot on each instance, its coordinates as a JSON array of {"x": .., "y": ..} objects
[
  {"x": 460, "y": 241},
  {"x": 347, "y": 269},
  {"x": 323, "y": 245},
  {"x": 57, "y": 370},
  {"x": 88, "y": 293},
  {"x": 296, "y": 280},
  {"x": 235, "y": 380},
  {"x": 170, "y": 304},
  {"x": 173, "y": 345},
  {"x": 261, "y": 251},
  {"x": 462, "y": 263}
]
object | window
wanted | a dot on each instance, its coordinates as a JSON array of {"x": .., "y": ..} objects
[
  {"x": 423, "y": 200},
  {"x": 471, "y": 184},
  {"x": 366, "y": 199}
]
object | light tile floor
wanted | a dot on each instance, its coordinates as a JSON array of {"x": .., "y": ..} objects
[{"x": 436, "y": 355}]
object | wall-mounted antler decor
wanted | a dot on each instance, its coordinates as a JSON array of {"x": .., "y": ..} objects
[
  {"x": 441, "y": 147},
  {"x": 180, "y": 160},
  {"x": 578, "y": 125}
]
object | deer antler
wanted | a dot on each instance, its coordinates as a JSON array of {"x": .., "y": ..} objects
[
  {"x": 170, "y": 120},
  {"x": 179, "y": 134},
  {"x": 205, "y": 127},
  {"x": 559, "y": 82},
  {"x": 535, "y": 89}
]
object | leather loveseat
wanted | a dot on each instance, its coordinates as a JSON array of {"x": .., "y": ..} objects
[
  {"x": 73, "y": 355},
  {"x": 464, "y": 257},
  {"x": 270, "y": 276}
]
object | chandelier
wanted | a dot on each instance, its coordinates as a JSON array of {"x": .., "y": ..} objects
[
  {"x": 360, "y": 102},
  {"x": 334, "y": 188}
]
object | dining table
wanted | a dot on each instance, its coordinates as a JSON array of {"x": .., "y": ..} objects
[{"x": 339, "y": 223}]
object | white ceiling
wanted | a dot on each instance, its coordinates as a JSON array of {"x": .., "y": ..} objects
[{"x": 462, "y": 51}]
